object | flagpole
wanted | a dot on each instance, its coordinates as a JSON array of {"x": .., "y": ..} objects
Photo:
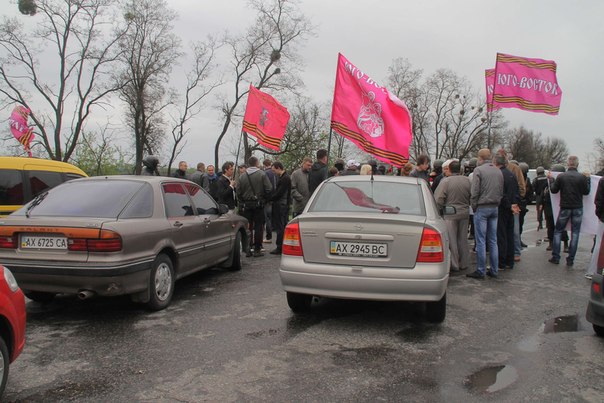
[
  {"x": 329, "y": 145},
  {"x": 490, "y": 116},
  {"x": 237, "y": 157}
]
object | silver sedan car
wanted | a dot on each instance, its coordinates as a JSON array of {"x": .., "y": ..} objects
[
  {"x": 119, "y": 235},
  {"x": 370, "y": 238}
]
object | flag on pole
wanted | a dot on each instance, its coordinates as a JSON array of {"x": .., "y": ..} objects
[
  {"x": 18, "y": 126},
  {"x": 265, "y": 119},
  {"x": 489, "y": 76},
  {"x": 370, "y": 116},
  {"x": 527, "y": 84}
]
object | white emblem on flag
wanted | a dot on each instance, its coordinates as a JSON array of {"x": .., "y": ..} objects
[{"x": 370, "y": 120}]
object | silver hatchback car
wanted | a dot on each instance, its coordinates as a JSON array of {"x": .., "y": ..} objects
[{"x": 369, "y": 238}]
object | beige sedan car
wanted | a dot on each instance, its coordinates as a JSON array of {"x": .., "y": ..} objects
[
  {"x": 370, "y": 238},
  {"x": 119, "y": 235}
]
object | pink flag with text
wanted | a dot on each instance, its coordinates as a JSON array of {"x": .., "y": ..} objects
[
  {"x": 527, "y": 84},
  {"x": 489, "y": 77},
  {"x": 370, "y": 116}
]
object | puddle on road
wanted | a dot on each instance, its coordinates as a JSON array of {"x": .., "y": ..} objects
[
  {"x": 492, "y": 379},
  {"x": 561, "y": 324}
]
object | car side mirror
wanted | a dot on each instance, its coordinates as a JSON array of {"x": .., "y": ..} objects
[
  {"x": 223, "y": 209},
  {"x": 448, "y": 210}
]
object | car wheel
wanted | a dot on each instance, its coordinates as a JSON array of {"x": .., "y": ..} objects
[
  {"x": 437, "y": 310},
  {"x": 5, "y": 358},
  {"x": 599, "y": 330},
  {"x": 237, "y": 247},
  {"x": 299, "y": 302},
  {"x": 39, "y": 296},
  {"x": 161, "y": 283}
]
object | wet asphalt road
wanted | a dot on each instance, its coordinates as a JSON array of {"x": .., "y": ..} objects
[{"x": 231, "y": 337}]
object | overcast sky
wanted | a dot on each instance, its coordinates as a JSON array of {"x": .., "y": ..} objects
[{"x": 463, "y": 36}]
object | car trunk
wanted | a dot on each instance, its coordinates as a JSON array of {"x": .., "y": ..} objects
[
  {"x": 376, "y": 240},
  {"x": 38, "y": 229}
]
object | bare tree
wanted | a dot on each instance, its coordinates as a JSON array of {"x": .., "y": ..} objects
[
  {"x": 150, "y": 50},
  {"x": 306, "y": 132},
  {"x": 530, "y": 147},
  {"x": 84, "y": 53},
  {"x": 599, "y": 153},
  {"x": 196, "y": 90},
  {"x": 265, "y": 56},
  {"x": 449, "y": 119}
]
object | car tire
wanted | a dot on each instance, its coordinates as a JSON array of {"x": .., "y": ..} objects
[
  {"x": 161, "y": 283},
  {"x": 599, "y": 330},
  {"x": 299, "y": 303},
  {"x": 437, "y": 310},
  {"x": 236, "y": 258},
  {"x": 40, "y": 296},
  {"x": 5, "y": 356}
]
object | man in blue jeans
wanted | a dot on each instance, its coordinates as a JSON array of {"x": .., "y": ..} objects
[
  {"x": 487, "y": 191},
  {"x": 572, "y": 187}
]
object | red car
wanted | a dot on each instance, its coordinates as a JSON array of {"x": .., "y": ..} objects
[{"x": 12, "y": 322}]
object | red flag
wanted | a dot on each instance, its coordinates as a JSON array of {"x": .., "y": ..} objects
[
  {"x": 370, "y": 116},
  {"x": 265, "y": 118}
]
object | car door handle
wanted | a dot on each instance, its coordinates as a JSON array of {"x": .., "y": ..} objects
[{"x": 178, "y": 224}]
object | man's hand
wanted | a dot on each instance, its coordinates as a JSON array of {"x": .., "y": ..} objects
[{"x": 515, "y": 209}]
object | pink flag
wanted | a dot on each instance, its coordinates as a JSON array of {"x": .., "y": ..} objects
[
  {"x": 528, "y": 84},
  {"x": 265, "y": 118},
  {"x": 489, "y": 77},
  {"x": 18, "y": 126},
  {"x": 370, "y": 116}
]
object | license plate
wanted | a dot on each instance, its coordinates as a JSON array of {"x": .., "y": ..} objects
[
  {"x": 43, "y": 242},
  {"x": 358, "y": 249}
]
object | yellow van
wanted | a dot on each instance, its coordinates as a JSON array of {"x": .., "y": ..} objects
[{"x": 22, "y": 179}]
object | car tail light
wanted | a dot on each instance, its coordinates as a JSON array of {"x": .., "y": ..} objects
[
  {"x": 595, "y": 288},
  {"x": 292, "y": 244},
  {"x": 430, "y": 247},
  {"x": 8, "y": 242},
  {"x": 108, "y": 241}
]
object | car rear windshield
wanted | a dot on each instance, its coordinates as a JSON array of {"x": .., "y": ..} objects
[
  {"x": 369, "y": 197},
  {"x": 95, "y": 198}
]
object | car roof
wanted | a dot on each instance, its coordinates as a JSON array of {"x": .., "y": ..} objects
[
  {"x": 23, "y": 163},
  {"x": 139, "y": 178}
]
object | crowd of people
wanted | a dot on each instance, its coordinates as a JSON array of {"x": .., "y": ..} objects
[{"x": 490, "y": 194}]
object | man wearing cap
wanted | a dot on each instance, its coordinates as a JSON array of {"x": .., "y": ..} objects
[
  {"x": 351, "y": 168},
  {"x": 539, "y": 184},
  {"x": 455, "y": 190}
]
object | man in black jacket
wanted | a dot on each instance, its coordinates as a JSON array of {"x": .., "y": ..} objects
[
  {"x": 318, "y": 171},
  {"x": 572, "y": 187},
  {"x": 281, "y": 198},
  {"x": 508, "y": 207},
  {"x": 225, "y": 186}
]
